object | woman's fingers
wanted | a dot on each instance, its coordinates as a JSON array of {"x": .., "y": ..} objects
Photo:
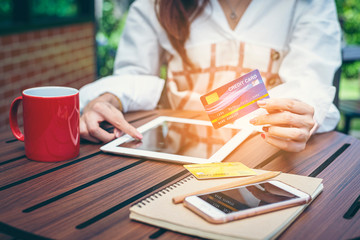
[
  {"x": 288, "y": 123},
  {"x": 84, "y": 133},
  {"x": 284, "y": 119},
  {"x": 116, "y": 118},
  {"x": 94, "y": 130},
  {"x": 291, "y": 134},
  {"x": 98, "y": 112},
  {"x": 285, "y": 144},
  {"x": 284, "y": 104}
]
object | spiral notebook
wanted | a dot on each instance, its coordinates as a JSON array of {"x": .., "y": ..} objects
[{"x": 158, "y": 210}]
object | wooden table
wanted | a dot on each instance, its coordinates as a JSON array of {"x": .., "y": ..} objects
[{"x": 89, "y": 197}]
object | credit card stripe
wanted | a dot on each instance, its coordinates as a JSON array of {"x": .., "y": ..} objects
[{"x": 239, "y": 108}]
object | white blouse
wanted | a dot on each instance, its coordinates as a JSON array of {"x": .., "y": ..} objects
[{"x": 295, "y": 44}]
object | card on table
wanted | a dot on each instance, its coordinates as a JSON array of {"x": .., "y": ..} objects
[
  {"x": 234, "y": 99},
  {"x": 219, "y": 170}
]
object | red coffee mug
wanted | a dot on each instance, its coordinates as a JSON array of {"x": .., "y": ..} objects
[{"x": 51, "y": 123}]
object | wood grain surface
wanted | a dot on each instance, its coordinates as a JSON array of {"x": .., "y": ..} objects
[{"x": 89, "y": 197}]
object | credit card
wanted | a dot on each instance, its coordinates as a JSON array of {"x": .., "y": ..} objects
[
  {"x": 235, "y": 99},
  {"x": 219, "y": 170}
]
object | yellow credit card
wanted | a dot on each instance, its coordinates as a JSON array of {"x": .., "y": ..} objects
[{"x": 219, "y": 170}]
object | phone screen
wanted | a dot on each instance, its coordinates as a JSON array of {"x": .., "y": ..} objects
[{"x": 242, "y": 198}]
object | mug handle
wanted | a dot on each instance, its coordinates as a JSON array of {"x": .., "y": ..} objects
[{"x": 13, "y": 119}]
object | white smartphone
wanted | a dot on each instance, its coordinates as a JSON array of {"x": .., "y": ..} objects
[{"x": 245, "y": 201}]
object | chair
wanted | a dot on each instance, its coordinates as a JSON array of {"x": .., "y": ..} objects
[{"x": 349, "y": 108}]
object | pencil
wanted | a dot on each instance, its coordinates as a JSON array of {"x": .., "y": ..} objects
[{"x": 241, "y": 182}]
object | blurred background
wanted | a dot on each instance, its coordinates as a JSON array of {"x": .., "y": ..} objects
[{"x": 73, "y": 42}]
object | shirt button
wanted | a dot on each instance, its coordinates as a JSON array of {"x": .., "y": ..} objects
[
  {"x": 275, "y": 55},
  {"x": 271, "y": 81}
]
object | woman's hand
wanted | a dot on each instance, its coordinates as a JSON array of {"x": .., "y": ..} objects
[
  {"x": 290, "y": 123},
  {"x": 104, "y": 108}
]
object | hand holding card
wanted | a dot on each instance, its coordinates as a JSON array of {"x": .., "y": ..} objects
[{"x": 234, "y": 99}]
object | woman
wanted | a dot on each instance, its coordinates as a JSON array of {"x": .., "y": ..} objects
[{"x": 295, "y": 44}]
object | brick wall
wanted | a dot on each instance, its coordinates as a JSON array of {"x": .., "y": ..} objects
[{"x": 61, "y": 56}]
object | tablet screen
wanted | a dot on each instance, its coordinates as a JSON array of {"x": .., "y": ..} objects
[{"x": 184, "y": 139}]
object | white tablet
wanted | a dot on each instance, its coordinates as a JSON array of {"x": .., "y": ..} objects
[{"x": 180, "y": 140}]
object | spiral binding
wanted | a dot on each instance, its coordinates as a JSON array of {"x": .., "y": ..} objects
[{"x": 163, "y": 191}]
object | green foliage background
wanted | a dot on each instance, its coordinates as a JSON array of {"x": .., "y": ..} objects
[
  {"x": 5, "y": 10},
  {"x": 107, "y": 38},
  {"x": 54, "y": 8},
  {"x": 349, "y": 16}
]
